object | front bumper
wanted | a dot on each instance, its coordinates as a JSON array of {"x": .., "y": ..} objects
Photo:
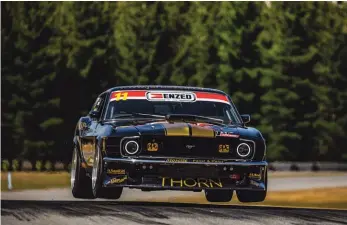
[{"x": 184, "y": 173}]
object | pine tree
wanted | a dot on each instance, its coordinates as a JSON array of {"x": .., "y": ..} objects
[{"x": 297, "y": 102}]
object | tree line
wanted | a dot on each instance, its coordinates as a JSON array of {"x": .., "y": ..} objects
[{"x": 282, "y": 62}]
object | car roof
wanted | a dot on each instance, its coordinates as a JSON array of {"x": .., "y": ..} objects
[{"x": 165, "y": 87}]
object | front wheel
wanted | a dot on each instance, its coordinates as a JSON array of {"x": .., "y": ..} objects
[
  {"x": 97, "y": 178},
  {"x": 218, "y": 195},
  {"x": 111, "y": 193},
  {"x": 253, "y": 196},
  {"x": 80, "y": 182}
]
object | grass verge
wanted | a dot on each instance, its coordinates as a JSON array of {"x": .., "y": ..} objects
[
  {"x": 283, "y": 174},
  {"x": 316, "y": 198},
  {"x": 35, "y": 180},
  {"x": 43, "y": 180}
]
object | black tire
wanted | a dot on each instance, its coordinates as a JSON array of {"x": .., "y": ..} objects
[
  {"x": 218, "y": 195},
  {"x": 81, "y": 184},
  {"x": 97, "y": 177},
  {"x": 253, "y": 196},
  {"x": 111, "y": 193}
]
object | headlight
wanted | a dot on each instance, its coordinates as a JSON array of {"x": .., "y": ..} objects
[
  {"x": 131, "y": 147},
  {"x": 243, "y": 150}
]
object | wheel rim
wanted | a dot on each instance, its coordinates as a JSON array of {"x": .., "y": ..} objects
[
  {"x": 95, "y": 172},
  {"x": 73, "y": 169}
]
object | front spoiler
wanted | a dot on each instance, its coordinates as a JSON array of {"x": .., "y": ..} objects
[
  {"x": 186, "y": 161},
  {"x": 253, "y": 187},
  {"x": 136, "y": 174}
]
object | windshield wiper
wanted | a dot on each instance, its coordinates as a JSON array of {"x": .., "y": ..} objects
[
  {"x": 194, "y": 118},
  {"x": 125, "y": 115}
]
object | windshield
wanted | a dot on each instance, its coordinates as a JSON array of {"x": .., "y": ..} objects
[{"x": 166, "y": 102}]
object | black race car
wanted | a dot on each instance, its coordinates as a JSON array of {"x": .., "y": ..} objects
[{"x": 168, "y": 138}]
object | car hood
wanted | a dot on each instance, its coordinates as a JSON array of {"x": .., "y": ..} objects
[{"x": 184, "y": 129}]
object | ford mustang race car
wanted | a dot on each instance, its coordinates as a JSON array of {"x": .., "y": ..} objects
[{"x": 168, "y": 138}]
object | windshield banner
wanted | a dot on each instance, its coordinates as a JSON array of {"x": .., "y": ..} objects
[{"x": 175, "y": 96}]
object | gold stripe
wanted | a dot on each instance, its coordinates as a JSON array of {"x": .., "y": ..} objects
[
  {"x": 176, "y": 129},
  {"x": 198, "y": 131}
]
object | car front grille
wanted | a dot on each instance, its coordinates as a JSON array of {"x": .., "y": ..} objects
[{"x": 195, "y": 147}]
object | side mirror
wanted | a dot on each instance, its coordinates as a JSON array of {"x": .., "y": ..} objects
[
  {"x": 246, "y": 118},
  {"x": 94, "y": 114}
]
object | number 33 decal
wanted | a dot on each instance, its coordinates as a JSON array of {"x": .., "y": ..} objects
[{"x": 121, "y": 96}]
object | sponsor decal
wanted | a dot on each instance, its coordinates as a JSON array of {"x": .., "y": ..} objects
[
  {"x": 152, "y": 147},
  {"x": 254, "y": 183},
  {"x": 171, "y": 96},
  {"x": 177, "y": 96},
  {"x": 203, "y": 124},
  {"x": 116, "y": 171},
  {"x": 176, "y": 160},
  {"x": 192, "y": 183},
  {"x": 88, "y": 147},
  {"x": 88, "y": 152},
  {"x": 90, "y": 160},
  {"x": 228, "y": 134},
  {"x": 118, "y": 180},
  {"x": 207, "y": 161},
  {"x": 223, "y": 148},
  {"x": 195, "y": 160},
  {"x": 255, "y": 175}
]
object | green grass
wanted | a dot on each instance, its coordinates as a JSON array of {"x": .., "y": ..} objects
[
  {"x": 43, "y": 180},
  {"x": 36, "y": 180},
  {"x": 316, "y": 198}
]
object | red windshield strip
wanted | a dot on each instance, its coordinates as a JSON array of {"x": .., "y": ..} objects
[
  {"x": 141, "y": 94},
  {"x": 212, "y": 96}
]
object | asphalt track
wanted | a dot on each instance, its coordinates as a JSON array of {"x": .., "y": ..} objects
[
  {"x": 56, "y": 206},
  {"x": 69, "y": 212}
]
